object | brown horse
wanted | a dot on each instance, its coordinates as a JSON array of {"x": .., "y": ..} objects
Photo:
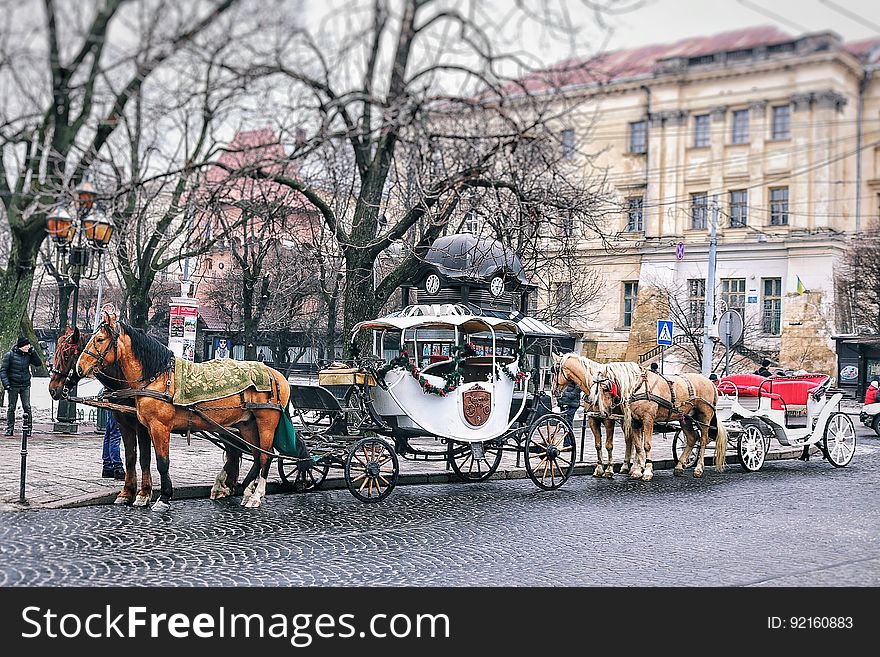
[
  {"x": 147, "y": 367},
  {"x": 647, "y": 398},
  {"x": 134, "y": 434},
  {"x": 573, "y": 368}
]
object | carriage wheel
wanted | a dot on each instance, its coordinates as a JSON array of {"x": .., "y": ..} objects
[
  {"x": 371, "y": 470},
  {"x": 302, "y": 480},
  {"x": 839, "y": 441},
  {"x": 550, "y": 451},
  {"x": 679, "y": 442},
  {"x": 474, "y": 461},
  {"x": 875, "y": 425},
  {"x": 751, "y": 448}
]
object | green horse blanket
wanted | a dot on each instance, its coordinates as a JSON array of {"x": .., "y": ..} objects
[{"x": 215, "y": 379}]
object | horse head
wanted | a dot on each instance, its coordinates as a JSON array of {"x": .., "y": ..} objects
[
  {"x": 67, "y": 350},
  {"x": 101, "y": 350}
]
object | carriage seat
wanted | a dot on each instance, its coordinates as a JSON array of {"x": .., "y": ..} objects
[
  {"x": 475, "y": 368},
  {"x": 746, "y": 384},
  {"x": 340, "y": 374},
  {"x": 791, "y": 395}
]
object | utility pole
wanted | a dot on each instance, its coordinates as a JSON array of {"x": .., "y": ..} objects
[{"x": 709, "y": 314}]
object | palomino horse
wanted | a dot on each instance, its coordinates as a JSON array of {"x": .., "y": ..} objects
[
  {"x": 647, "y": 398},
  {"x": 134, "y": 434},
  {"x": 573, "y": 368},
  {"x": 147, "y": 367}
]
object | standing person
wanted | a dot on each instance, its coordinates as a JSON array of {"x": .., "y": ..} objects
[
  {"x": 15, "y": 374},
  {"x": 569, "y": 401},
  {"x": 871, "y": 394},
  {"x": 261, "y": 356},
  {"x": 110, "y": 451}
]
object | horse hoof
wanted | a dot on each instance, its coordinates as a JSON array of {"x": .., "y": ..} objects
[
  {"x": 141, "y": 500},
  {"x": 253, "y": 502},
  {"x": 648, "y": 475},
  {"x": 698, "y": 473},
  {"x": 160, "y": 506},
  {"x": 635, "y": 474},
  {"x": 122, "y": 499},
  {"x": 624, "y": 469},
  {"x": 598, "y": 472},
  {"x": 678, "y": 471},
  {"x": 609, "y": 472},
  {"x": 220, "y": 493}
]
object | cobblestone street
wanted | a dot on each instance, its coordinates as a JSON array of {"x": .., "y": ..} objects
[{"x": 791, "y": 524}]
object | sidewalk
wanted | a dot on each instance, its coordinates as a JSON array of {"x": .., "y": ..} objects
[{"x": 65, "y": 470}]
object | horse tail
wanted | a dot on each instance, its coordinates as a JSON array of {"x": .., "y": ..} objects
[{"x": 720, "y": 442}]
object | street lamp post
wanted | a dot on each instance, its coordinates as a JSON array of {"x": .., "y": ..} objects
[{"x": 80, "y": 238}]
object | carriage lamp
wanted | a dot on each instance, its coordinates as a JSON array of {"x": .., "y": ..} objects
[{"x": 86, "y": 194}]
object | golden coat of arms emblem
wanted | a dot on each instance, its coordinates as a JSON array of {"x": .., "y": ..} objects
[{"x": 477, "y": 405}]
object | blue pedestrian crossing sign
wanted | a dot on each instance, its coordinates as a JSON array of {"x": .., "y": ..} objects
[{"x": 664, "y": 332}]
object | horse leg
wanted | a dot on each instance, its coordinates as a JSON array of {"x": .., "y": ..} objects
[
  {"x": 638, "y": 461},
  {"x": 648, "y": 433},
  {"x": 597, "y": 437},
  {"x": 161, "y": 436},
  {"x": 609, "y": 447},
  {"x": 129, "y": 441},
  {"x": 627, "y": 455},
  {"x": 145, "y": 492},
  {"x": 266, "y": 424},
  {"x": 224, "y": 484},
  {"x": 250, "y": 434},
  {"x": 704, "y": 440},
  {"x": 689, "y": 442}
]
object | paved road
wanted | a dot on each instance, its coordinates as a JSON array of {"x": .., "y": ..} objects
[{"x": 792, "y": 524}]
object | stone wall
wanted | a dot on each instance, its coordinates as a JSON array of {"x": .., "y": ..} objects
[{"x": 808, "y": 323}]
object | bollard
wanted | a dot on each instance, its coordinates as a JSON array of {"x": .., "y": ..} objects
[{"x": 25, "y": 432}]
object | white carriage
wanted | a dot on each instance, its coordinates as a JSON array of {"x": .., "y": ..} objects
[
  {"x": 447, "y": 378},
  {"x": 797, "y": 411}
]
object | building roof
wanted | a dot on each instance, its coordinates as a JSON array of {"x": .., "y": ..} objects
[{"x": 647, "y": 61}]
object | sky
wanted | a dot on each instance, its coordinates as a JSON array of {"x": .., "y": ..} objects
[{"x": 664, "y": 21}]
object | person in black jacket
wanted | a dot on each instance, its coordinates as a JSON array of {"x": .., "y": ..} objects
[{"x": 15, "y": 374}]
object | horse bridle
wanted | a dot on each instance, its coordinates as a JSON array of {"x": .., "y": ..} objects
[{"x": 100, "y": 358}]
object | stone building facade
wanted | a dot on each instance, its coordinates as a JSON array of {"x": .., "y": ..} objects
[{"x": 782, "y": 132}]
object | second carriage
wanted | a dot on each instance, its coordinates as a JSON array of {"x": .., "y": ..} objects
[{"x": 438, "y": 384}]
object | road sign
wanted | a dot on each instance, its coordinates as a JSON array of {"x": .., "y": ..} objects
[
  {"x": 664, "y": 332},
  {"x": 679, "y": 250},
  {"x": 730, "y": 328}
]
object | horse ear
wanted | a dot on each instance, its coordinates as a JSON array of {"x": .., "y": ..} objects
[
  {"x": 557, "y": 358},
  {"x": 109, "y": 315},
  {"x": 74, "y": 335}
]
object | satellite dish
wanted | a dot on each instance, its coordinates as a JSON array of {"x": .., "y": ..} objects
[{"x": 730, "y": 328}]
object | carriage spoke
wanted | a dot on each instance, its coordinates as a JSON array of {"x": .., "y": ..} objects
[
  {"x": 366, "y": 481},
  {"x": 359, "y": 477}
]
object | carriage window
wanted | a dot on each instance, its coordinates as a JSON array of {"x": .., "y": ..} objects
[
  {"x": 630, "y": 293},
  {"x": 733, "y": 293},
  {"x": 772, "y": 311},
  {"x": 696, "y": 301}
]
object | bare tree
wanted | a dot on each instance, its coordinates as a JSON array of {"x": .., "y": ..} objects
[
  {"x": 408, "y": 109},
  {"x": 858, "y": 284},
  {"x": 69, "y": 72}
]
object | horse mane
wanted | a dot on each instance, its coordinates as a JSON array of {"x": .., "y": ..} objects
[
  {"x": 152, "y": 354},
  {"x": 627, "y": 376}
]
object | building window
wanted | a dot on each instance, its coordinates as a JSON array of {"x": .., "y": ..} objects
[
  {"x": 471, "y": 223},
  {"x": 699, "y": 208},
  {"x": 779, "y": 206},
  {"x": 566, "y": 226},
  {"x": 781, "y": 124},
  {"x": 740, "y": 132},
  {"x": 733, "y": 293},
  {"x": 739, "y": 206},
  {"x": 701, "y": 131},
  {"x": 567, "y": 144},
  {"x": 630, "y": 293},
  {"x": 638, "y": 134},
  {"x": 772, "y": 311},
  {"x": 696, "y": 302},
  {"x": 634, "y": 220},
  {"x": 562, "y": 301}
]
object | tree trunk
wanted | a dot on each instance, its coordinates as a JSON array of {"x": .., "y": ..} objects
[
  {"x": 15, "y": 285},
  {"x": 139, "y": 308},
  {"x": 64, "y": 290},
  {"x": 360, "y": 297}
]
